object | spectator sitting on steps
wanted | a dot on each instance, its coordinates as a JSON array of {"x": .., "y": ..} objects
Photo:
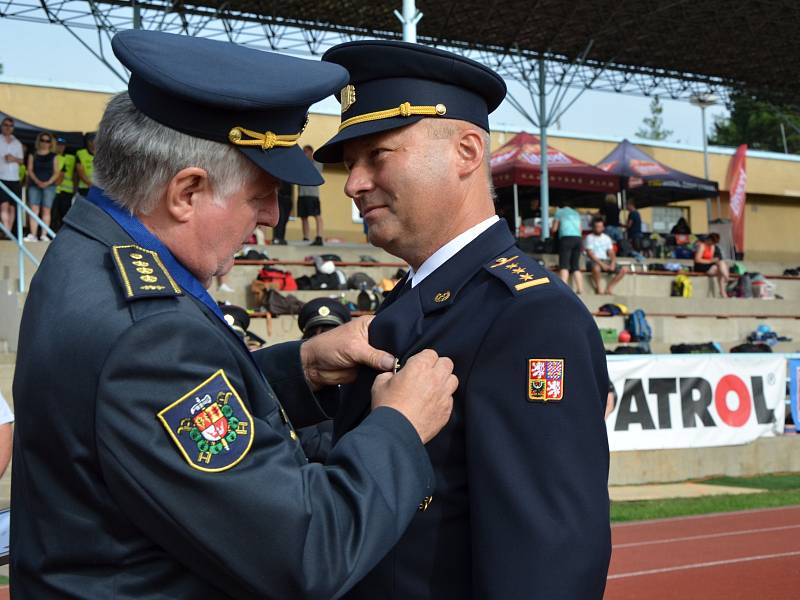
[
  {"x": 708, "y": 260},
  {"x": 602, "y": 258}
]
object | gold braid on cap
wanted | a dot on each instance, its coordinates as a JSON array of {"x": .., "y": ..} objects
[
  {"x": 404, "y": 110},
  {"x": 266, "y": 140}
]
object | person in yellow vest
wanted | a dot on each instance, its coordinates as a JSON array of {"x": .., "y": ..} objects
[
  {"x": 66, "y": 183},
  {"x": 85, "y": 165}
]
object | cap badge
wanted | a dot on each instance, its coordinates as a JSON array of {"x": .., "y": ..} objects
[
  {"x": 324, "y": 311},
  {"x": 348, "y": 97}
]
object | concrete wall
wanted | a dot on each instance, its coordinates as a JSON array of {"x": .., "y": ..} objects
[
  {"x": 54, "y": 108},
  {"x": 766, "y": 455}
]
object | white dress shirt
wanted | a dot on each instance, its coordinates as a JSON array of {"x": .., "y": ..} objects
[{"x": 449, "y": 250}]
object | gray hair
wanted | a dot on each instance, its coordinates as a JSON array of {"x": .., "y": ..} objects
[{"x": 136, "y": 157}]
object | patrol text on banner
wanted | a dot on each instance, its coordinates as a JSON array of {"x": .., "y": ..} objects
[{"x": 695, "y": 401}]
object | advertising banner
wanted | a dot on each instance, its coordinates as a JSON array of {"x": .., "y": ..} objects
[
  {"x": 695, "y": 400},
  {"x": 794, "y": 391},
  {"x": 737, "y": 184}
]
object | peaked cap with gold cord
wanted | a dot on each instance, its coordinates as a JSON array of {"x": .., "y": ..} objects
[
  {"x": 394, "y": 84},
  {"x": 257, "y": 101}
]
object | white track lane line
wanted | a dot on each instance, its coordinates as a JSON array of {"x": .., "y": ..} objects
[
  {"x": 715, "y": 563},
  {"x": 734, "y": 513},
  {"x": 705, "y": 536}
]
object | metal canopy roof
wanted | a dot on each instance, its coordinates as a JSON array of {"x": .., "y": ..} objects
[
  {"x": 670, "y": 47},
  {"x": 754, "y": 43}
]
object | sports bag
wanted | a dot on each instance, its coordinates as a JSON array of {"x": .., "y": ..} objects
[
  {"x": 636, "y": 323},
  {"x": 277, "y": 279},
  {"x": 682, "y": 286}
]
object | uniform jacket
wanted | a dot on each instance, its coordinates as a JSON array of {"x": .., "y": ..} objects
[
  {"x": 521, "y": 506},
  {"x": 152, "y": 459}
]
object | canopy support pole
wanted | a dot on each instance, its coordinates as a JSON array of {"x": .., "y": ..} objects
[
  {"x": 705, "y": 164},
  {"x": 516, "y": 211},
  {"x": 409, "y": 18},
  {"x": 544, "y": 182}
]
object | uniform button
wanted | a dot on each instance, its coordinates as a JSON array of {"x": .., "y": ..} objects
[
  {"x": 423, "y": 506},
  {"x": 293, "y": 435}
]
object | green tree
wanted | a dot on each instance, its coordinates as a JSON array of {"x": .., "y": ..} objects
[
  {"x": 757, "y": 124},
  {"x": 653, "y": 126}
]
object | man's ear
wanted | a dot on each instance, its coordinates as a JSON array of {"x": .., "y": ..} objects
[
  {"x": 185, "y": 191},
  {"x": 470, "y": 151}
]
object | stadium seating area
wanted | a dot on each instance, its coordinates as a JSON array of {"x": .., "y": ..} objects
[{"x": 702, "y": 318}]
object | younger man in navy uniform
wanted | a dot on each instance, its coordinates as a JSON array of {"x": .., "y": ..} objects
[
  {"x": 521, "y": 507},
  {"x": 152, "y": 457}
]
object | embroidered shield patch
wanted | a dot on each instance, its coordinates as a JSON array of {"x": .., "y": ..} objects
[
  {"x": 210, "y": 425},
  {"x": 545, "y": 379}
]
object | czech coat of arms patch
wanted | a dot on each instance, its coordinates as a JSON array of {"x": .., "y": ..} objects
[
  {"x": 545, "y": 379},
  {"x": 210, "y": 425}
]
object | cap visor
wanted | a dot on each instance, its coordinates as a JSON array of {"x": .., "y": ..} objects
[
  {"x": 287, "y": 164},
  {"x": 320, "y": 320},
  {"x": 331, "y": 152}
]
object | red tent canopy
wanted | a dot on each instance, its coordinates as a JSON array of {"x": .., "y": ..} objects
[{"x": 519, "y": 162}]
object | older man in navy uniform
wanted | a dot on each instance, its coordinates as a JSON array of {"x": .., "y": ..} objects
[
  {"x": 152, "y": 457},
  {"x": 521, "y": 507}
]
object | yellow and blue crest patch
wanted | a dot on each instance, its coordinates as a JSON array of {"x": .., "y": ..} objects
[
  {"x": 210, "y": 425},
  {"x": 545, "y": 379}
]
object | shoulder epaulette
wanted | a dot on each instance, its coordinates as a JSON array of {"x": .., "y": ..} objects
[
  {"x": 142, "y": 273},
  {"x": 518, "y": 271}
]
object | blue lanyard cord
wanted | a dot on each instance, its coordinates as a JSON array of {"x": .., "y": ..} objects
[{"x": 139, "y": 233}]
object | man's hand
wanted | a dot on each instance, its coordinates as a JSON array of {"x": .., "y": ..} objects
[
  {"x": 422, "y": 391},
  {"x": 333, "y": 357}
]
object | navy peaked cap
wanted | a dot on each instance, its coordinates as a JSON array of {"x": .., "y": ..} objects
[
  {"x": 322, "y": 311},
  {"x": 394, "y": 84},
  {"x": 220, "y": 91}
]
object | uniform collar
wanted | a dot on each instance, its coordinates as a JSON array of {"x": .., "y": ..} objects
[
  {"x": 441, "y": 287},
  {"x": 144, "y": 238},
  {"x": 450, "y": 249}
]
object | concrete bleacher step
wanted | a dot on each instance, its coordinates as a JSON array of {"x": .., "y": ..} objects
[
  {"x": 666, "y": 330},
  {"x": 660, "y": 285},
  {"x": 697, "y": 306},
  {"x": 726, "y": 331}
]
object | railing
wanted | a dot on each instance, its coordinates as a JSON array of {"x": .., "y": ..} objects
[{"x": 22, "y": 250}]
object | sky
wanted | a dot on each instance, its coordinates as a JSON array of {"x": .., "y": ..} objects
[{"x": 50, "y": 55}]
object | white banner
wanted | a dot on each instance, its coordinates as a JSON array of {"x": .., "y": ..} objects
[{"x": 695, "y": 400}]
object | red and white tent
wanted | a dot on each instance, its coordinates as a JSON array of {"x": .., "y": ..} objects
[{"x": 518, "y": 162}]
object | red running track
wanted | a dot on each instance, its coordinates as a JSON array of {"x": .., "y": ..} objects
[{"x": 747, "y": 555}]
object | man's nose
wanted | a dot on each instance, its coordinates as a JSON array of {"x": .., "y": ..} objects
[
  {"x": 359, "y": 181},
  {"x": 269, "y": 214}
]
